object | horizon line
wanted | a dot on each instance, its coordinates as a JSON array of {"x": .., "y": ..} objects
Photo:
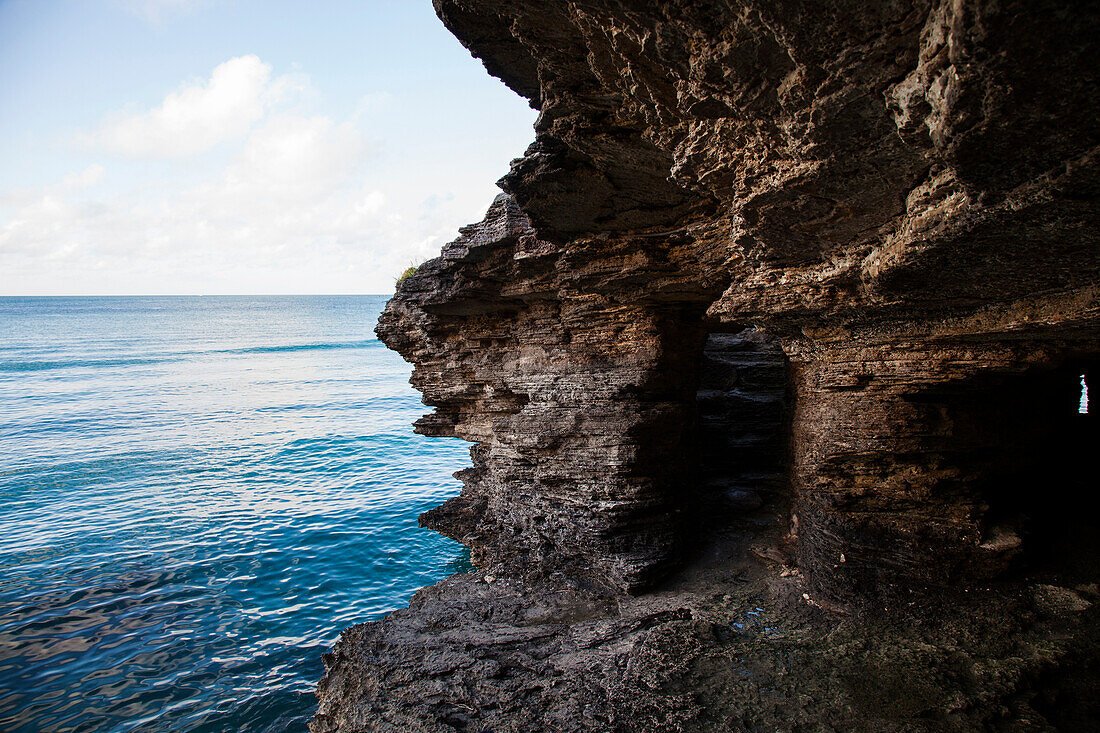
[{"x": 192, "y": 295}]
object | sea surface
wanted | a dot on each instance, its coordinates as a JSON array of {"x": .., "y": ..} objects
[{"x": 196, "y": 495}]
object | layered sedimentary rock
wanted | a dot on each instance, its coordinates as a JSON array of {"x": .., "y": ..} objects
[
  {"x": 903, "y": 194},
  {"x": 892, "y": 205},
  {"x": 578, "y": 399}
]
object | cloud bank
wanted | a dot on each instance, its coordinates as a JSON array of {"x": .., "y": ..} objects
[{"x": 283, "y": 212}]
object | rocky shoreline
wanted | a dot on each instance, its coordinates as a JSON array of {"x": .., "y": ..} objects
[
  {"x": 733, "y": 642},
  {"x": 771, "y": 357}
]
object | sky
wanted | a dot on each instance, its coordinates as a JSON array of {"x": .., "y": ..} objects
[{"x": 239, "y": 146}]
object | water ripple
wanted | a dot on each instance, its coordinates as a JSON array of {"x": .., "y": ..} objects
[{"x": 196, "y": 495}]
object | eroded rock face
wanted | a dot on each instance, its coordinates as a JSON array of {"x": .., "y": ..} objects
[
  {"x": 916, "y": 466},
  {"x": 902, "y": 196},
  {"x": 574, "y": 370}
]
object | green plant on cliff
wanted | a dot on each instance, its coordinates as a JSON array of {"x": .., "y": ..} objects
[{"x": 409, "y": 271}]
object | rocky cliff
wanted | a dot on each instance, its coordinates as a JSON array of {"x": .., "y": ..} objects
[{"x": 787, "y": 308}]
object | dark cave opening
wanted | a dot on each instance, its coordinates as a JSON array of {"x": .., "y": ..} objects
[
  {"x": 1023, "y": 446},
  {"x": 743, "y": 413},
  {"x": 1061, "y": 532}
]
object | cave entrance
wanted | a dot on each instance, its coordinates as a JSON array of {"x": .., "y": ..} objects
[
  {"x": 1060, "y": 507},
  {"x": 743, "y": 418},
  {"x": 1031, "y": 439}
]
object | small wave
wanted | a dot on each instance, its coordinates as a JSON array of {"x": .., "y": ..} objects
[
  {"x": 38, "y": 366},
  {"x": 297, "y": 347}
]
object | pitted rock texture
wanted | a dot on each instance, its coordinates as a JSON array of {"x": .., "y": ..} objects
[
  {"x": 576, "y": 399},
  {"x": 727, "y": 645},
  {"x": 875, "y": 159},
  {"x": 901, "y": 194},
  {"x": 902, "y": 198}
]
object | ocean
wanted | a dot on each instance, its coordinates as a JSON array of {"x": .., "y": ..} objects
[{"x": 196, "y": 495}]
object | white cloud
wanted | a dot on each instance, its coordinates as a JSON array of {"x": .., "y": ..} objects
[
  {"x": 196, "y": 117},
  {"x": 289, "y": 213},
  {"x": 339, "y": 235},
  {"x": 85, "y": 178},
  {"x": 295, "y": 156}
]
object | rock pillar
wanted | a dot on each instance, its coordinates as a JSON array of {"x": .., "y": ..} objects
[{"x": 578, "y": 392}]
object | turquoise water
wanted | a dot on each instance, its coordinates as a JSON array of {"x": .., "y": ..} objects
[{"x": 196, "y": 496}]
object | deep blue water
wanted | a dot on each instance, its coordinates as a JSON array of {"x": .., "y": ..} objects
[{"x": 196, "y": 496}]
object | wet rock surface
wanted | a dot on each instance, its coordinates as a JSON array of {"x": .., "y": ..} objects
[{"x": 786, "y": 308}]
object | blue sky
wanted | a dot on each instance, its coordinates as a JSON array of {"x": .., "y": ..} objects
[{"x": 239, "y": 146}]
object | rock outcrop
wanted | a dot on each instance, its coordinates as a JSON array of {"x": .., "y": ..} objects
[
  {"x": 815, "y": 279},
  {"x": 577, "y": 398}
]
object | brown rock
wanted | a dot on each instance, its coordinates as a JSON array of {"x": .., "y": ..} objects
[{"x": 823, "y": 275}]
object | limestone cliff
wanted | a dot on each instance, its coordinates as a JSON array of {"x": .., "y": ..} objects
[{"x": 818, "y": 279}]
